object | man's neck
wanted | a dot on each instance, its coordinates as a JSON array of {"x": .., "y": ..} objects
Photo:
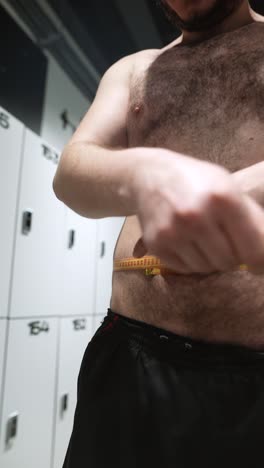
[{"x": 244, "y": 15}]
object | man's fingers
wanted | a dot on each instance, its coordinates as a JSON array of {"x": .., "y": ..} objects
[
  {"x": 214, "y": 245},
  {"x": 242, "y": 226}
]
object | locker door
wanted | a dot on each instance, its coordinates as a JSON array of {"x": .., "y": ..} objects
[
  {"x": 108, "y": 233},
  {"x": 75, "y": 333},
  {"x": 28, "y": 403},
  {"x": 79, "y": 265},
  {"x": 39, "y": 237},
  {"x": 11, "y": 138},
  {"x": 3, "y": 329}
]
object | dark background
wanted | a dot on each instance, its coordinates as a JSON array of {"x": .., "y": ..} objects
[
  {"x": 103, "y": 21},
  {"x": 23, "y": 69},
  {"x": 105, "y": 31}
]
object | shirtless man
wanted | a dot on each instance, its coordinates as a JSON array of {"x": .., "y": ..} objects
[{"x": 174, "y": 376}]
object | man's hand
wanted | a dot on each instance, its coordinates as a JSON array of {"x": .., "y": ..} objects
[
  {"x": 251, "y": 181},
  {"x": 195, "y": 218}
]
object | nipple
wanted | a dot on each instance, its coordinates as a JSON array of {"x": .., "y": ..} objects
[{"x": 137, "y": 108}]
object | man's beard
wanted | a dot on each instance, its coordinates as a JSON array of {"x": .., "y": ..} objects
[{"x": 220, "y": 10}]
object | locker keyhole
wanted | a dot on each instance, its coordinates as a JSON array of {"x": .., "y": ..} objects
[
  {"x": 12, "y": 424},
  {"x": 71, "y": 238},
  {"x": 64, "y": 403},
  {"x": 102, "y": 249},
  {"x": 27, "y": 222}
]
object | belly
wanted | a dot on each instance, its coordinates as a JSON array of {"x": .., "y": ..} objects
[{"x": 220, "y": 307}]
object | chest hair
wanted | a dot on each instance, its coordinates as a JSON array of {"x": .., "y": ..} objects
[{"x": 199, "y": 99}]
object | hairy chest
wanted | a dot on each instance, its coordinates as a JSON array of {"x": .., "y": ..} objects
[{"x": 204, "y": 100}]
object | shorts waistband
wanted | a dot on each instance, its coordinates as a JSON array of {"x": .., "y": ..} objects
[{"x": 184, "y": 346}]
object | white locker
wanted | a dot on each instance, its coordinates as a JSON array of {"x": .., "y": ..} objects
[
  {"x": 29, "y": 390},
  {"x": 11, "y": 139},
  {"x": 79, "y": 265},
  {"x": 3, "y": 330},
  {"x": 108, "y": 233},
  {"x": 75, "y": 333},
  {"x": 36, "y": 289}
]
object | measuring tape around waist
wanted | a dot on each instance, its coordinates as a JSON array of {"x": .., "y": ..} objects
[{"x": 151, "y": 265}]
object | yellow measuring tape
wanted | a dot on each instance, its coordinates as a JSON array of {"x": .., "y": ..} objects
[{"x": 151, "y": 265}]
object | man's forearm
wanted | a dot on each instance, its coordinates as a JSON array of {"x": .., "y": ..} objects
[
  {"x": 251, "y": 181},
  {"x": 96, "y": 182}
]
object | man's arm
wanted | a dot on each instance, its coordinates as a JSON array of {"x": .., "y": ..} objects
[
  {"x": 251, "y": 181},
  {"x": 96, "y": 170}
]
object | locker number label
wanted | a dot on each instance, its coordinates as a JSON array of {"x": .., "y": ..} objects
[
  {"x": 49, "y": 154},
  {"x": 79, "y": 324},
  {"x": 4, "y": 120},
  {"x": 38, "y": 327}
]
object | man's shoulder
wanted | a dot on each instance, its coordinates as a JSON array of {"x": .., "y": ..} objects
[
  {"x": 134, "y": 64},
  {"x": 130, "y": 66},
  {"x": 149, "y": 54},
  {"x": 145, "y": 55},
  {"x": 137, "y": 58},
  {"x": 126, "y": 65}
]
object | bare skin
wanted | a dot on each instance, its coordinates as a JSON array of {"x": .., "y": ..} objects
[
  {"x": 224, "y": 307},
  {"x": 178, "y": 98}
]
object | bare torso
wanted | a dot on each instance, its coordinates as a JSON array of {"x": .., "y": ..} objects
[{"x": 205, "y": 100}]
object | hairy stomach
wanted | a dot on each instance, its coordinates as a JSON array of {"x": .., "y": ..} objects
[{"x": 220, "y": 307}]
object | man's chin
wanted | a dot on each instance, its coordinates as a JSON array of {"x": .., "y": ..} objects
[
  {"x": 197, "y": 25},
  {"x": 202, "y": 21}
]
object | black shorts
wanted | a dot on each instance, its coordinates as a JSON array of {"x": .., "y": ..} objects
[{"x": 148, "y": 398}]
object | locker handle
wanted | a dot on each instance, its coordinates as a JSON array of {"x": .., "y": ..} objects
[
  {"x": 102, "y": 249},
  {"x": 27, "y": 222},
  {"x": 64, "y": 403},
  {"x": 71, "y": 238},
  {"x": 12, "y": 425}
]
